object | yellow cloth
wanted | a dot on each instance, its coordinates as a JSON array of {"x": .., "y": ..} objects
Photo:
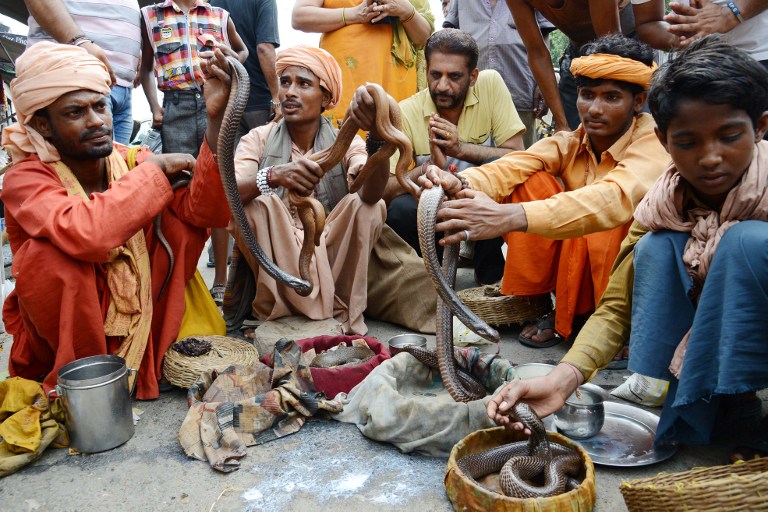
[
  {"x": 27, "y": 426},
  {"x": 607, "y": 330},
  {"x": 403, "y": 50},
  {"x": 129, "y": 276},
  {"x": 625, "y": 173},
  {"x": 613, "y": 67},
  {"x": 488, "y": 112},
  {"x": 369, "y": 53},
  {"x": 201, "y": 315},
  {"x": 319, "y": 62},
  {"x": 44, "y": 73}
]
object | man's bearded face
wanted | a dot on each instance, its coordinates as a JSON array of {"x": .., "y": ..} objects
[
  {"x": 449, "y": 78},
  {"x": 80, "y": 125}
]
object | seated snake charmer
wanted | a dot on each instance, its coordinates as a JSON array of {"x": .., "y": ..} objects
[
  {"x": 87, "y": 263},
  {"x": 274, "y": 158},
  {"x": 564, "y": 237},
  {"x": 689, "y": 287}
]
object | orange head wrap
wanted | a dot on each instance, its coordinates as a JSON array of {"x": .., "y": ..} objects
[
  {"x": 613, "y": 67},
  {"x": 44, "y": 73},
  {"x": 318, "y": 61}
]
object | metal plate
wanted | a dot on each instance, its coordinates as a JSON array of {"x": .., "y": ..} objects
[{"x": 626, "y": 439}]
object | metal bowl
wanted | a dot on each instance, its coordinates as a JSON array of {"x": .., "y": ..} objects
[
  {"x": 396, "y": 343},
  {"x": 581, "y": 418},
  {"x": 528, "y": 370}
]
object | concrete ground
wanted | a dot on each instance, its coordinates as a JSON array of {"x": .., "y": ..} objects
[{"x": 327, "y": 465}]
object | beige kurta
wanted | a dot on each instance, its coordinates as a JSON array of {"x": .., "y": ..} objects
[{"x": 340, "y": 263}]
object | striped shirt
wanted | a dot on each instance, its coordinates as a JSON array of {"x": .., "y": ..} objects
[
  {"x": 177, "y": 40},
  {"x": 114, "y": 25}
]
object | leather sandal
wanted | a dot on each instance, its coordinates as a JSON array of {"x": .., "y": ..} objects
[
  {"x": 547, "y": 322},
  {"x": 217, "y": 292}
]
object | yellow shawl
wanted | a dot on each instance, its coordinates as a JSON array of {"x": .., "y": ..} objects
[{"x": 129, "y": 315}]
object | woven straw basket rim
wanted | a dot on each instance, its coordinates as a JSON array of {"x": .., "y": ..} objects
[
  {"x": 740, "y": 486},
  {"x": 182, "y": 370},
  {"x": 488, "y": 303}
]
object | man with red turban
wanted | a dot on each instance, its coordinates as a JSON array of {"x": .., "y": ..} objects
[
  {"x": 565, "y": 204},
  {"x": 87, "y": 263},
  {"x": 273, "y": 159}
]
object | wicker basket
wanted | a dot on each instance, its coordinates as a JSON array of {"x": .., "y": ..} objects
[
  {"x": 740, "y": 486},
  {"x": 497, "y": 309},
  {"x": 182, "y": 370},
  {"x": 466, "y": 495}
]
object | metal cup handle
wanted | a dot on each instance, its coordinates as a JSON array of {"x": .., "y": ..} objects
[
  {"x": 135, "y": 372},
  {"x": 56, "y": 389}
]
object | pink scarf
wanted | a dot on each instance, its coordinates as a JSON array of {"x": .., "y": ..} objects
[{"x": 662, "y": 208}]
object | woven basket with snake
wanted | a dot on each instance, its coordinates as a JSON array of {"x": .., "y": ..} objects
[
  {"x": 741, "y": 486},
  {"x": 183, "y": 370},
  {"x": 465, "y": 494},
  {"x": 488, "y": 303}
]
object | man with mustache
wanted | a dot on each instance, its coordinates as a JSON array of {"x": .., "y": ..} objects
[
  {"x": 565, "y": 204},
  {"x": 88, "y": 264},
  {"x": 272, "y": 159},
  {"x": 465, "y": 118}
]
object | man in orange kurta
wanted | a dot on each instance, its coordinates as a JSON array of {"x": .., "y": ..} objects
[
  {"x": 87, "y": 263},
  {"x": 564, "y": 205}
]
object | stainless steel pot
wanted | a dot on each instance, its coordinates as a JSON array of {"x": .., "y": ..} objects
[{"x": 97, "y": 401}]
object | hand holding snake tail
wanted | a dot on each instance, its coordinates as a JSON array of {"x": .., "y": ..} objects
[
  {"x": 518, "y": 463},
  {"x": 238, "y": 97},
  {"x": 311, "y": 213},
  {"x": 182, "y": 181}
]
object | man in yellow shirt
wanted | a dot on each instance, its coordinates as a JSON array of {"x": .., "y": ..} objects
[
  {"x": 464, "y": 118},
  {"x": 564, "y": 237}
]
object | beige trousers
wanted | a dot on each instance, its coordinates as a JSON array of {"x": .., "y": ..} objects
[{"x": 339, "y": 267}]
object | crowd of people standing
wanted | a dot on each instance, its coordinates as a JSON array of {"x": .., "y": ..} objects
[{"x": 595, "y": 214}]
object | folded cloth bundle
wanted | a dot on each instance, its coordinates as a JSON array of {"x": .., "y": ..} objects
[
  {"x": 245, "y": 406},
  {"x": 27, "y": 424}
]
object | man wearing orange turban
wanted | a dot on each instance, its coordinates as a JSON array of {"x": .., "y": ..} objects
[
  {"x": 87, "y": 264},
  {"x": 564, "y": 205},
  {"x": 272, "y": 159}
]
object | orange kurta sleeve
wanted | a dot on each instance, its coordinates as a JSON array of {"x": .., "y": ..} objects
[{"x": 41, "y": 208}]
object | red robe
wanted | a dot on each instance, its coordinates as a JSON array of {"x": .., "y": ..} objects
[{"x": 60, "y": 243}]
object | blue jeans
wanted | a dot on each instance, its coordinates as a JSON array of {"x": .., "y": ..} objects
[
  {"x": 727, "y": 353},
  {"x": 122, "y": 113}
]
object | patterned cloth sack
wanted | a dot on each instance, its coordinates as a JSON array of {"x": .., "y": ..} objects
[{"x": 246, "y": 406}]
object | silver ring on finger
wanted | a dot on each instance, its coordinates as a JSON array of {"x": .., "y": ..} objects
[{"x": 466, "y": 235}]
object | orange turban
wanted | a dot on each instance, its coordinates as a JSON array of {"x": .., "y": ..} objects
[
  {"x": 44, "y": 73},
  {"x": 318, "y": 61},
  {"x": 613, "y": 67}
]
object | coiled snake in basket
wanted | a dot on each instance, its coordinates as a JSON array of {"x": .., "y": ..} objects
[{"x": 526, "y": 460}]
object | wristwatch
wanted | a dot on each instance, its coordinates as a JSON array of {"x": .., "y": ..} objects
[{"x": 275, "y": 104}]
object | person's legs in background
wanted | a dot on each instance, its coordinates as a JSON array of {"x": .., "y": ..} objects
[
  {"x": 122, "y": 114},
  {"x": 567, "y": 86}
]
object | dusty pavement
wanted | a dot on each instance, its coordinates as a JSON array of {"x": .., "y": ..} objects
[{"x": 327, "y": 465}]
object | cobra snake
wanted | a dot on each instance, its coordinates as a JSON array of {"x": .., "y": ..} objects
[{"x": 517, "y": 463}]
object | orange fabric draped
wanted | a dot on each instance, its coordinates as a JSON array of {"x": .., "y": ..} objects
[
  {"x": 363, "y": 52},
  {"x": 577, "y": 269},
  {"x": 56, "y": 312}
]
